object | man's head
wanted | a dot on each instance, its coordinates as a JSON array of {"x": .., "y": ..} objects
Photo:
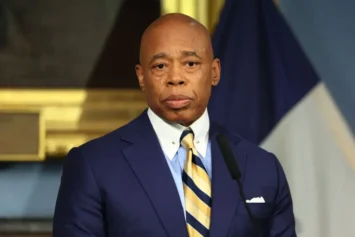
[{"x": 177, "y": 68}]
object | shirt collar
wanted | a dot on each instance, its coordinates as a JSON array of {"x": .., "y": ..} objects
[{"x": 169, "y": 133}]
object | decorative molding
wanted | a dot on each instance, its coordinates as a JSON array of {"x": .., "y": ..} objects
[
  {"x": 205, "y": 11},
  {"x": 22, "y": 134},
  {"x": 73, "y": 117}
]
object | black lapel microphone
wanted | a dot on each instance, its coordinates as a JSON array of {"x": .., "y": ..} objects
[{"x": 236, "y": 175}]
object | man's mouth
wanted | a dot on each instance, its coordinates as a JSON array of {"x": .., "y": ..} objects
[{"x": 177, "y": 101}]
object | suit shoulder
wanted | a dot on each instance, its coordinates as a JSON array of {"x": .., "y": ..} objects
[
  {"x": 253, "y": 150},
  {"x": 249, "y": 147},
  {"x": 261, "y": 161}
]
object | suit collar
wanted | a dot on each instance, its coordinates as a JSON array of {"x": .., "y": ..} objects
[
  {"x": 169, "y": 134},
  {"x": 147, "y": 161},
  {"x": 161, "y": 189},
  {"x": 225, "y": 191}
]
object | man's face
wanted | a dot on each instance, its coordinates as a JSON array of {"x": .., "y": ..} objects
[{"x": 177, "y": 72}]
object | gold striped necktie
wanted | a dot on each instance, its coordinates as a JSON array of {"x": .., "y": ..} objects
[{"x": 197, "y": 189}]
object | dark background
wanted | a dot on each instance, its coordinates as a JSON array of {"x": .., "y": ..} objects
[{"x": 72, "y": 44}]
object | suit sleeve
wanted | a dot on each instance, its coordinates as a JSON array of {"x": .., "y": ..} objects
[
  {"x": 283, "y": 220},
  {"x": 78, "y": 210}
]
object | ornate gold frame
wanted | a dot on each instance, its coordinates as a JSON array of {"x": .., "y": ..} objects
[
  {"x": 205, "y": 11},
  {"x": 71, "y": 117},
  {"x": 40, "y": 156}
]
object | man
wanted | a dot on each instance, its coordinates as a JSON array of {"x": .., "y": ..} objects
[{"x": 163, "y": 173}]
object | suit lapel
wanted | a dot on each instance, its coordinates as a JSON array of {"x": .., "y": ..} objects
[
  {"x": 225, "y": 191},
  {"x": 148, "y": 162}
]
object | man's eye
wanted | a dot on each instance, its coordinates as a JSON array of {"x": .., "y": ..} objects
[
  {"x": 191, "y": 64},
  {"x": 159, "y": 66}
]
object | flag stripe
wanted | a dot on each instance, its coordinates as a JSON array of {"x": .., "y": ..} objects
[{"x": 264, "y": 71}]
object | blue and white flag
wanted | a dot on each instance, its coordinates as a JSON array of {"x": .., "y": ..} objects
[{"x": 270, "y": 94}]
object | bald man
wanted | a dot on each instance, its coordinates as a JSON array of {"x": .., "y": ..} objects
[{"x": 163, "y": 173}]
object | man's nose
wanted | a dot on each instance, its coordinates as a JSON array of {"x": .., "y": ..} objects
[{"x": 176, "y": 79}]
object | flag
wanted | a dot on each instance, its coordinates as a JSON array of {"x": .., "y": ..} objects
[{"x": 270, "y": 94}]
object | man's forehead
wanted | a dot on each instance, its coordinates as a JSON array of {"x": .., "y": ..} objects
[
  {"x": 175, "y": 20},
  {"x": 175, "y": 51},
  {"x": 174, "y": 39},
  {"x": 179, "y": 32},
  {"x": 175, "y": 35},
  {"x": 178, "y": 53}
]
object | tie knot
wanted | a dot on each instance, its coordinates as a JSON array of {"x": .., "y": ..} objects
[{"x": 187, "y": 139}]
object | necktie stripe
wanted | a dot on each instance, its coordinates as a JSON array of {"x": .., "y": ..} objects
[
  {"x": 193, "y": 232},
  {"x": 196, "y": 160},
  {"x": 196, "y": 225},
  {"x": 201, "y": 195},
  {"x": 197, "y": 189},
  {"x": 186, "y": 141},
  {"x": 198, "y": 214},
  {"x": 198, "y": 172},
  {"x": 200, "y": 182},
  {"x": 191, "y": 196}
]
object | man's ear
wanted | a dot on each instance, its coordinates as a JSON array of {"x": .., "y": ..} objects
[
  {"x": 216, "y": 71},
  {"x": 140, "y": 76}
]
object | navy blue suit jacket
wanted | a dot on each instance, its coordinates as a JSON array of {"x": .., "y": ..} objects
[{"x": 120, "y": 185}]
